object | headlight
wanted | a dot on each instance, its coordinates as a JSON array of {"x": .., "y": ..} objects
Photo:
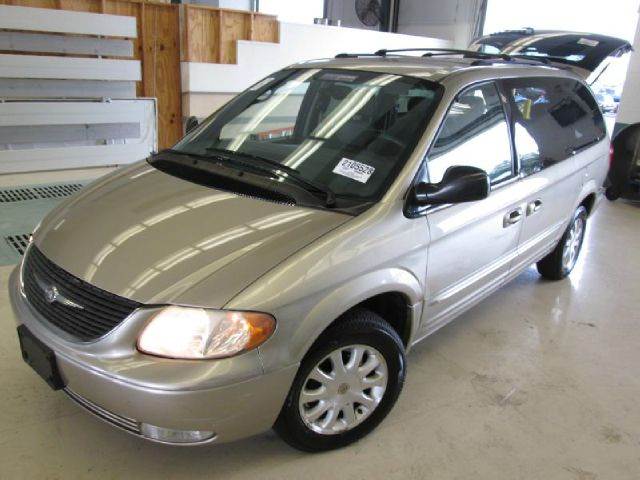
[{"x": 198, "y": 333}]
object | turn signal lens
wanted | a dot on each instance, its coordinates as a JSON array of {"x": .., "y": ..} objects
[{"x": 198, "y": 333}]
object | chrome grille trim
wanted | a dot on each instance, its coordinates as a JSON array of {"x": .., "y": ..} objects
[{"x": 124, "y": 423}]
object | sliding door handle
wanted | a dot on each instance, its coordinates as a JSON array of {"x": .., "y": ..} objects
[
  {"x": 533, "y": 207},
  {"x": 514, "y": 216}
]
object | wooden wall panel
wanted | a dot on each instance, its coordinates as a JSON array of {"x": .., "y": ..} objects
[
  {"x": 201, "y": 34},
  {"x": 161, "y": 68},
  {"x": 93, "y": 6},
  {"x": 266, "y": 29},
  {"x": 235, "y": 26},
  {"x": 32, "y": 3},
  {"x": 210, "y": 35}
]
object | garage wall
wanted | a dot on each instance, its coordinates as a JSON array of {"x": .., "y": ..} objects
[
  {"x": 68, "y": 91},
  {"x": 206, "y": 86},
  {"x": 630, "y": 102},
  {"x": 452, "y": 20},
  {"x": 156, "y": 46}
]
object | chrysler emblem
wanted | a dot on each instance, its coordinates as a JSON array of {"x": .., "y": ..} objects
[{"x": 52, "y": 294}]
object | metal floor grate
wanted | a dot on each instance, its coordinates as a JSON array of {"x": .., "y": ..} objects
[
  {"x": 20, "y": 194},
  {"x": 17, "y": 195},
  {"x": 18, "y": 242},
  {"x": 58, "y": 191}
]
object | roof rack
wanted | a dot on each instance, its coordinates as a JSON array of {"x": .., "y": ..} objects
[
  {"x": 432, "y": 52},
  {"x": 428, "y": 53},
  {"x": 523, "y": 31},
  {"x": 356, "y": 55}
]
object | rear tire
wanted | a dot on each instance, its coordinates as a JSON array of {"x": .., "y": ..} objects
[
  {"x": 559, "y": 263},
  {"x": 612, "y": 194},
  {"x": 352, "y": 401}
]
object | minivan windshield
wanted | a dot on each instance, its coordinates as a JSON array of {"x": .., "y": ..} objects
[{"x": 344, "y": 132}]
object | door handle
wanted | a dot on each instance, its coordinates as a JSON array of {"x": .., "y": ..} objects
[
  {"x": 514, "y": 216},
  {"x": 534, "y": 206}
]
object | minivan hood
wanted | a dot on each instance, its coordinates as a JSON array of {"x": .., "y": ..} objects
[{"x": 154, "y": 238}]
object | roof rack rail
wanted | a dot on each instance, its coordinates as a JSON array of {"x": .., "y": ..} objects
[
  {"x": 430, "y": 52},
  {"x": 355, "y": 55},
  {"x": 522, "y": 59},
  {"x": 482, "y": 57},
  {"x": 524, "y": 31}
]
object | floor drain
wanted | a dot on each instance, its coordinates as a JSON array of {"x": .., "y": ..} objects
[
  {"x": 57, "y": 191},
  {"x": 17, "y": 195},
  {"x": 18, "y": 242},
  {"x": 20, "y": 194}
]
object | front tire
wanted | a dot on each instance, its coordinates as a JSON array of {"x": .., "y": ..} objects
[
  {"x": 345, "y": 386},
  {"x": 559, "y": 263}
]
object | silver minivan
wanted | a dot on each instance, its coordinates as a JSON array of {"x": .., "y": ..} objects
[{"x": 274, "y": 267}]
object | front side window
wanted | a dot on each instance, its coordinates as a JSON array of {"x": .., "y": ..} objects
[
  {"x": 349, "y": 131},
  {"x": 475, "y": 133},
  {"x": 551, "y": 119}
]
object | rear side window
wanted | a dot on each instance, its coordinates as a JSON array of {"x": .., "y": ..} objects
[
  {"x": 475, "y": 133},
  {"x": 552, "y": 117}
]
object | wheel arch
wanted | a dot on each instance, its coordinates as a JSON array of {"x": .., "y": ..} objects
[
  {"x": 589, "y": 202},
  {"x": 394, "y": 294}
]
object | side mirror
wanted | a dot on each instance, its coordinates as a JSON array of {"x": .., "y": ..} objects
[
  {"x": 459, "y": 184},
  {"x": 192, "y": 122}
]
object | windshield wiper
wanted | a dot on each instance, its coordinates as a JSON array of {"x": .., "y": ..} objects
[{"x": 230, "y": 155}]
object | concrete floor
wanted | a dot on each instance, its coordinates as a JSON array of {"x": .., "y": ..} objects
[{"x": 539, "y": 381}]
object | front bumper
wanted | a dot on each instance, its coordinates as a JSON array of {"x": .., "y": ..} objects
[{"x": 233, "y": 398}]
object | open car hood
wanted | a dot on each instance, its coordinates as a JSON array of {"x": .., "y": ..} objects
[{"x": 585, "y": 53}]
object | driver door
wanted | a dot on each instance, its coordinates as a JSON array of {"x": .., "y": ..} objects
[{"x": 472, "y": 244}]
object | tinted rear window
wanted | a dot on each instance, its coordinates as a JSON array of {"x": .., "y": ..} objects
[{"x": 552, "y": 117}]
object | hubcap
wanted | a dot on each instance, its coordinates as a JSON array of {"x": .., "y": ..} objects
[
  {"x": 572, "y": 244},
  {"x": 343, "y": 389}
]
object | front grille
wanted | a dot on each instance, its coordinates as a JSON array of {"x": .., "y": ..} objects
[
  {"x": 82, "y": 310},
  {"x": 128, "y": 424}
]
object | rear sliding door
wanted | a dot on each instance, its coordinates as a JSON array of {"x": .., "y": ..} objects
[{"x": 553, "y": 122}]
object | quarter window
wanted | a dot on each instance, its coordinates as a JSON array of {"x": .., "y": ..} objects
[
  {"x": 552, "y": 117},
  {"x": 475, "y": 133}
]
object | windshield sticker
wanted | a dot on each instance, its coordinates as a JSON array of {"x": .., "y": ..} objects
[
  {"x": 588, "y": 42},
  {"x": 360, "y": 172},
  {"x": 261, "y": 83}
]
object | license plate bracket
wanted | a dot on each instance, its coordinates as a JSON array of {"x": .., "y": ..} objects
[{"x": 40, "y": 357}]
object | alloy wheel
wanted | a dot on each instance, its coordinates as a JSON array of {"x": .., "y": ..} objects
[{"x": 572, "y": 244}]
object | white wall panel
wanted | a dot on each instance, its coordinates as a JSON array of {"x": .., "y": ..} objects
[
  {"x": 68, "y": 44},
  {"x": 51, "y": 156},
  {"x": 15, "y": 161},
  {"x": 65, "y": 21},
  {"x": 630, "y": 102},
  {"x": 71, "y": 68},
  {"x": 66, "y": 113},
  {"x": 297, "y": 43},
  {"x": 31, "y": 88}
]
